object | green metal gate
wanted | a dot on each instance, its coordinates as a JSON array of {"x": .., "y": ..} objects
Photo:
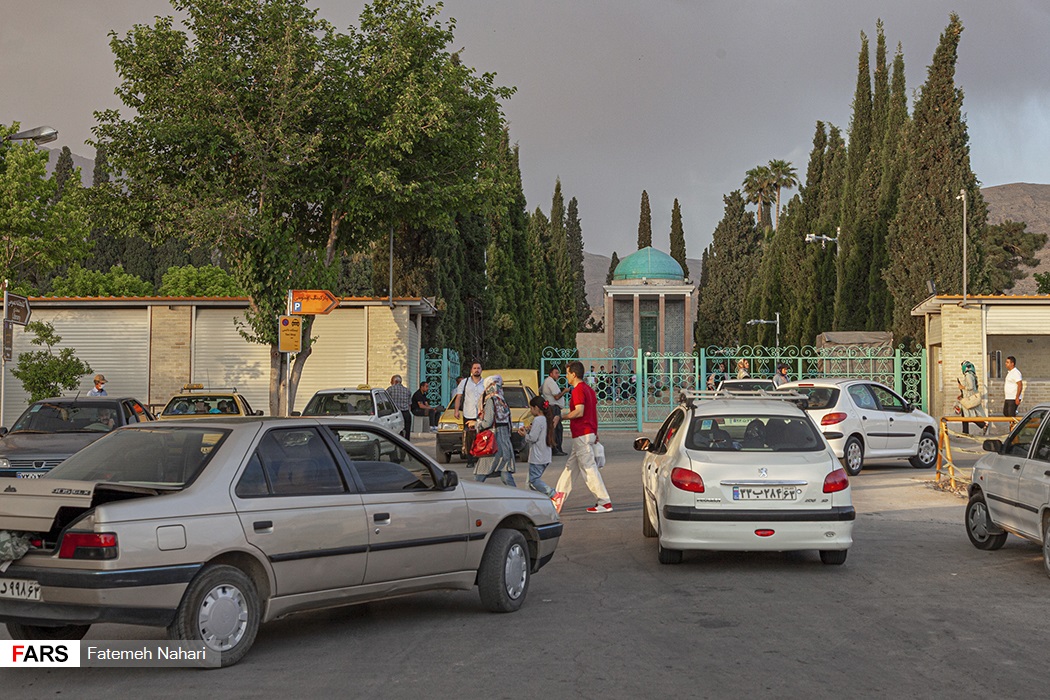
[
  {"x": 613, "y": 376},
  {"x": 439, "y": 367}
]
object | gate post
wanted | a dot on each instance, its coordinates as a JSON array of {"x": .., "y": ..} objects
[
  {"x": 640, "y": 393},
  {"x": 898, "y": 379}
]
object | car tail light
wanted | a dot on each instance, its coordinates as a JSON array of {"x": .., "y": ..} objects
[
  {"x": 832, "y": 418},
  {"x": 687, "y": 480},
  {"x": 836, "y": 481},
  {"x": 88, "y": 545},
  {"x": 764, "y": 533}
]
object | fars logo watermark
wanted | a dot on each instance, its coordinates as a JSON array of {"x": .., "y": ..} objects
[{"x": 39, "y": 654}]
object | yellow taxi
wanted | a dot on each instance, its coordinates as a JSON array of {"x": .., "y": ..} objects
[
  {"x": 519, "y": 387},
  {"x": 194, "y": 401}
]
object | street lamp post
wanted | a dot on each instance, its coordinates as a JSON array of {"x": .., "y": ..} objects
[
  {"x": 41, "y": 134},
  {"x": 824, "y": 240},
  {"x": 962, "y": 196},
  {"x": 757, "y": 321}
]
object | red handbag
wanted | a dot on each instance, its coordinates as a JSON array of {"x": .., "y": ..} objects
[{"x": 484, "y": 444}]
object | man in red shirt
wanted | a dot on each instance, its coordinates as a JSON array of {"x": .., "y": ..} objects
[{"x": 583, "y": 424}]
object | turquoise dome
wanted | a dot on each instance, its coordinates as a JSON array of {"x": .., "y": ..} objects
[{"x": 650, "y": 264}]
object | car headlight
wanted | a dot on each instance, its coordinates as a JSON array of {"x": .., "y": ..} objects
[
  {"x": 5, "y": 463},
  {"x": 449, "y": 426}
]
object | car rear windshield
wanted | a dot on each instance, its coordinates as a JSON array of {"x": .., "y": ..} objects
[
  {"x": 752, "y": 433},
  {"x": 196, "y": 404},
  {"x": 152, "y": 456},
  {"x": 820, "y": 398},
  {"x": 68, "y": 417},
  {"x": 356, "y": 403}
]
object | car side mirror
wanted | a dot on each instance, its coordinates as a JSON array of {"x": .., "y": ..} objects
[
  {"x": 643, "y": 444},
  {"x": 293, "y": 413},
  {"x": 449, "y": 480},
  {"x": 995, "y": 446},
  {"x": 259, "y": 413},
  {"x": 3, "y": 431},
  {"x": 908, "y": 408}
]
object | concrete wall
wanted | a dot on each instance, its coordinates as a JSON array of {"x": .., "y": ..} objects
[
  {"x": 170, "y": 350},
  {"x": 961, "y": 340},
  {"x": 388, "y": 343}
]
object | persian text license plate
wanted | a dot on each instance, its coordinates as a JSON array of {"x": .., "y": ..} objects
[
  {"x": 765, "y": 493},
  {"x": 19, "y": 589},
  {"x": 29, "y": 475}
]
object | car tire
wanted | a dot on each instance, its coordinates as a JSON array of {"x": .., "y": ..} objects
[
  {"x": 926, "y": 456},
  {"x": 505, "y": 571},
  {"x": 853, "y": 455},
  {"x": 979, "y": 526},
  {"x": 20, "y": 631},
  {"x": 647, "y": 524},
  {"x": 833, "y": 556},
  {"x": 668, "y": 556},
  {"x": 373, "y": 454},
  {"x": 220, "y": 608}
]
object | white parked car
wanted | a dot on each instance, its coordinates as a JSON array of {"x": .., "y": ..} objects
[
  {"x": 1011, "y": 489},
  {"x": 864, "y": 420},
  {"x": 749, "y": 384},
  {"x": 743, "y": 474},
  {"x": 362, "y": 403}
]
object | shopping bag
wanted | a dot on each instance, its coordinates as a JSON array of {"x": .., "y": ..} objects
[
  {"x": 484, "y": 444},
  {"x": 970, "y": 401},
  {"x": 599, "y": 454}
]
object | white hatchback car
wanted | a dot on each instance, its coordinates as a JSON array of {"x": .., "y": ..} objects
[
  {"x": 1011, "y": 489},
  {"x": 862, "y": 419},
  {"x": 743, "y": 473},
  {"x": 362, "y": 403}
]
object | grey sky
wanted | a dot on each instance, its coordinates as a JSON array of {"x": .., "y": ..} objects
[{"x": 677, "y": 97}]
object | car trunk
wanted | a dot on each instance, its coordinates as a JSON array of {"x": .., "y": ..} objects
[
  {"x": 45, "y": 507},
  {"x": 746, "y": 480}
]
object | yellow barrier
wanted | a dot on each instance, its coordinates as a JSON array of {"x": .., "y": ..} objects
[{"x": 944, "y": 446}]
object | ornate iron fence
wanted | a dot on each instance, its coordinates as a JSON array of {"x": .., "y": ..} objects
[
  {"x": 613, "y": 376},
  {"x": 439, "y": 367}
]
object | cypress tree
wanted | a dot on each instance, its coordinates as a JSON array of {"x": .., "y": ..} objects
[
  {"x": 63, "y": 172},
  {"x": 732, "y": 261},
  {"x": 855, "y": 248},
  {"x": 925, "y": 239},
  {"x": 574, "y": 232},
  {"x": 799, "y": 323},
  {"x": 612, "y": 267},
  {"x": 539, "y": 233},
  {"x": 645, "y": 223},
  {"x": 678, "y": 238},
  {"x": 829, "y": 209},
  {"x": 559, "y": 274}
]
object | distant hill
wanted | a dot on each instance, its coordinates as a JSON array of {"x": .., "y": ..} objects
[
  {"x": 86, "y": 165},
  {"x": 1022, "y": 201}
]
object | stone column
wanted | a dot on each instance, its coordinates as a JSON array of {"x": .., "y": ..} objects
[
  {"x": 637, "y": 324},
  {"x": 610, "y": 327},
  {"x": 661, "y": 325}
]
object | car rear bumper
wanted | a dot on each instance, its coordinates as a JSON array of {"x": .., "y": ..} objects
[{"x": 682, "y": 527}]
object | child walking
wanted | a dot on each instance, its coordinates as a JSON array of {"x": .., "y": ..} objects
[{"x": 540, "y": 438}]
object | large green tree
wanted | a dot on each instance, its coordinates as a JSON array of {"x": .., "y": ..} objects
[
  {"x": 678, "y": 238},
  {"x": 574, "y": 233},
  {"x": 759, "y": 188},
  {"x": 784, "y": 177},
  {"x": 261, "y": 132},
  {"x": 925, "y": 239},
  {"x": 645, "y": 223}
]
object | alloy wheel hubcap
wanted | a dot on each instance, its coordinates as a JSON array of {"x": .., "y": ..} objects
[
  {"x": 223, "y": 617},
  {"x": 515, "y": 571},
  {"x": 927, "y": 450},
  {"x": 979, "y": 522}
]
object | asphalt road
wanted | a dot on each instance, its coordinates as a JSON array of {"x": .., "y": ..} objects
[{"x": 915, "y": 610}]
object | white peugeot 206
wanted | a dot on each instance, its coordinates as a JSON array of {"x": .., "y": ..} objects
[{"x": 744, "y": 472}]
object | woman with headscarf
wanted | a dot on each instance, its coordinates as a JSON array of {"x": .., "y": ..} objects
[
  {"x": 494, "y": 413},
  {"x": 743, "y": 368},
  {"x": 969, "y": 397}
]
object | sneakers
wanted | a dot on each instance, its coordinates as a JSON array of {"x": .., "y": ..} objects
[
  {"x": 559, "y": 499},
  {"x": 600, "y": 508}
]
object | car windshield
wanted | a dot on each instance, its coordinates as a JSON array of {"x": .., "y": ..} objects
[
  {"x": 68, "y": 417},
  {"x": 748, "y": 384},
  {"x": 347, "y": 403},
  {"x": 819, "y": 398},
  {"x": 153, "y": 456},
  {"x": 201, "y": 403},
  {"x": 516, "y": 396},
  {"x": 753, "y": 433}
]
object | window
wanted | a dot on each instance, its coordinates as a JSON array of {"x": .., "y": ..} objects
[
  {"x": 386, "y": 406},
  {"x": 887, "y": 399},
  {"x": 819, "y": 398},
  {"x": 754, "y": 433},
  {"x": 661, "y": 436},
  {"x": 1021, "y": 439},
  {"x": 291, "y": 462},
  {"x": 381, "y": 464},
  {"x": 1042, "y": 448},
  {"x": 862, "y": 397}
]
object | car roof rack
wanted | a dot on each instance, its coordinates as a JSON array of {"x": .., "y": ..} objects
[{"x": 688, "y": 397}]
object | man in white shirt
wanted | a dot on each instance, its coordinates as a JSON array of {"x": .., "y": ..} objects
[
  {"x": 468, "y": 398},
  {"x": 554, "y": 395},
  {"x": 1013, "y": 388}
]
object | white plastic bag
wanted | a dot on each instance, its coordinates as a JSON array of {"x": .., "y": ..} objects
[{"x": 599, "y": 454}]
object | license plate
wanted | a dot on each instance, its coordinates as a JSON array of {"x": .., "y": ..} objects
[
  {"x": 765, "y": 493},
  {"x": 19, "y": 589},
  {"x": 29, "y": 475}
]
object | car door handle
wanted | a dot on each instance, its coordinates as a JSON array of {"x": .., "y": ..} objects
[
  {"x": 381, "y": 518},
  {"x": 1017, "y": 466},
  {"x": 1046, "y": 473},
  {"x": 864, "y": 418},
  {"x": 262, "y": 525}
]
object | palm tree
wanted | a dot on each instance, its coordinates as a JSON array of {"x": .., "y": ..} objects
[
  {"x": 759, "y": 185},
  {"x": 784, "y": 175}
]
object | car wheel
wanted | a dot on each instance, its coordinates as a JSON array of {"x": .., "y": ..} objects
[
  {"x": 979, "y": 526},
  {"x": 833, "y": 556},
  {"x": 503, "y": 577},
  {"x": 647, "y": 524},
  {"x": 853, "y": 455},
  {"x": 220, "y": 608},
  {"x": 372, "y": 453},
  {"x": 20, "y": 631},
  {"x": 926, "y": 457}
]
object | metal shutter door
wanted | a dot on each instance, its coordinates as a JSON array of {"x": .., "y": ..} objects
[
  {"x": 223, "y": 359},
  {"x": 339, "y": 357}
]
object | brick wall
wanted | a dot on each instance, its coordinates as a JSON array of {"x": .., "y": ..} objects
[
  {"x": 388, "y": 343},
  {"x": 169, "y": 364},
  {"x": 961, "y": 341}
]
